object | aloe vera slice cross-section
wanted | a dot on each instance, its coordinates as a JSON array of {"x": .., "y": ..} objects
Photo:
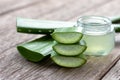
[
  {"x": 37, "y": 49},
  {"x": 70, "y": 62},
  {"x": 67, "y": 35},
  {"x": 69, "y": 50}
]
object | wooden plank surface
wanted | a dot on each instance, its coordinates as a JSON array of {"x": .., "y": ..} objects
[
  {"x": 79, "y": 7},
  {"x": 109, "y": 9},
  {"x": 7, "y": 6},
  {"x": 114, "y": 73},
  {"x": 14, "y": 67}
]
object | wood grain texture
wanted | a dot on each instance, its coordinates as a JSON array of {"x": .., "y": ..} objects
[
  {"x": 114, "y": 73},
  {"x": 15, "y": 67},
  {"x": 76, "y": 10},
  {"x": 7, "y": 6},
  {"x": 108, "y": 9}
]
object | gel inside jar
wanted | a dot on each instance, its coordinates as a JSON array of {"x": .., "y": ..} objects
[{"x": 99, "y": 35}]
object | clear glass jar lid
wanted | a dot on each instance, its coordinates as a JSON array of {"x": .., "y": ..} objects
[{"x": 95, "y": 25}]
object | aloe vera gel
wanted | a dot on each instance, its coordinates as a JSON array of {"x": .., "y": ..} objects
[{"x": 98, "y": 33}]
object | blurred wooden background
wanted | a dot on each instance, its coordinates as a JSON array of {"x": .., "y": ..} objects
[{"x": 14, "y": 67}]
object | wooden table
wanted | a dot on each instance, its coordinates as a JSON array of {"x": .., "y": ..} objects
[{"x": 14, "y": 67}]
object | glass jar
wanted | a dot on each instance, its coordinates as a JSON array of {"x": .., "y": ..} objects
[{"x": 99, "y": 35}]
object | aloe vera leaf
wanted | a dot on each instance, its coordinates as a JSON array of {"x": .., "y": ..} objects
[
  {"x": 116, "y": 27},
  {"x": 115, "y": 19},
  {"x": 69, "y": 50},
  {"x": 37, "y": 49},
  {"x": 68, "y": 35},
  {"x": 83, "y": 56},
  {"x": 33, "y": 26},
  {"x": 70, "y": 62}
]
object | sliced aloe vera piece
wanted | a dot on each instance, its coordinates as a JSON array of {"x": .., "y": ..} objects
[
  {"x": 70, "y": 62},
  {"x": 69, "y": 50},
  {"x": 40, "y": 26},
  {"x": 83, "y": 56},
  {"x": 67, "y": 35},
  {"x": 37, "y": 49}
]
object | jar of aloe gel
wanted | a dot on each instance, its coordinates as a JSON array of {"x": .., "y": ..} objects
[{"x": 99, "y": 35}]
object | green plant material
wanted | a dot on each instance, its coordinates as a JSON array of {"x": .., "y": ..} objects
[
  {"x": 37, "y": 49},
  {"x": 40, "y": 26},
  {"x": 65, "y": 61},
  {"x": 83, "y": 56},
  {"x": 68, "y": 35},
  {"x": 115, "y": 19},
  {"x": 116, "y": 27},
  {"x": 69, "y": 50},
  {"x": 33, "y": 26},
  {"x": 116, "y": 23}
]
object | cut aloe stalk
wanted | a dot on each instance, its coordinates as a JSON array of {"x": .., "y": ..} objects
[
  {"x": 69, "y": 50},
  {"x": 116, "y": 27},
  {"x": 67, "y": 35},
  {"x": 36, "y": 50},
  {"x": 46, "y": 26},
  {"x": 115, "y": 19},
  {"x": 70, "y": 62},
  {"x": 40, "y": 26}
]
